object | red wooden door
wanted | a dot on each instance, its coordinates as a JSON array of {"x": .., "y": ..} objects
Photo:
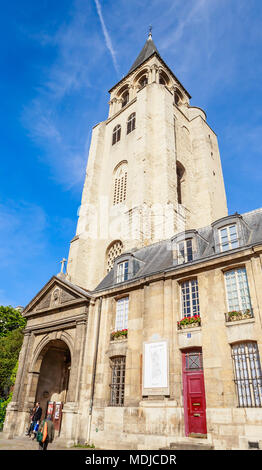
[{"x": 194, "y": 393}]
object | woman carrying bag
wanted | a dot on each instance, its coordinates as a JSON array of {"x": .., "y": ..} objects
[{"x": 45, "y": 433}]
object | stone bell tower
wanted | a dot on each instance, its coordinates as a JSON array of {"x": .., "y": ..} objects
[{"x": 153, "y": 170}]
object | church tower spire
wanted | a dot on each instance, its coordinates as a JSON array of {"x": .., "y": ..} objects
[
  {"x": 147, "y": 51},
  {"x": 153, "y": 170}
]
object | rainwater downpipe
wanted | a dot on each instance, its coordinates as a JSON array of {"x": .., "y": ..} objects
[{"x": 94, "y": 371}]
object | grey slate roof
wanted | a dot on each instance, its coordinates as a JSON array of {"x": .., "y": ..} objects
[
  {"x": 159, "y": 256},
  {"x": 148, "y": 49}
]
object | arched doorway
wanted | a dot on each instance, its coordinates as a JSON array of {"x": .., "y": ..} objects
[{"x": 54, "y": 363}]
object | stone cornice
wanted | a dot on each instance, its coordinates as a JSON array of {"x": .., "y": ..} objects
[
  {"x": 222, "y": 260},
  {"x": 142, "y": 65},
  {"x": 55, "y": 309},
  {"x": 63, "y": 323}
]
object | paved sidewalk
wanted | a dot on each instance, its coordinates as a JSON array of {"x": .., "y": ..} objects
[{"x": 25, "y": 443}]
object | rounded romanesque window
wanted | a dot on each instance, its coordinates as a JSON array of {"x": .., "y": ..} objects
[
  {"x": 125, "y": 98},
  {"x": 116, "y": 134},
  {"x": 178, "y": 97},
  {"x": 120, "y": 183},
  {"x": 113, "y": 251},
  {"x": 131, "y": 123},
  {"x": 143, "y": 81}
]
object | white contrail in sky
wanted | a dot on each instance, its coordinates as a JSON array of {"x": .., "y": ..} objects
[{"x": 106, "y": 35}]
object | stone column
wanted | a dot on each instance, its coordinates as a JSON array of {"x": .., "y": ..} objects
[
  {"x": 71, "y": 413},
  {"x": 74, "y": 381},
  {"x": 21, "y": 367}
]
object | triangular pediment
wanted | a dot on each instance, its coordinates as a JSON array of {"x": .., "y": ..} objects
[{"x": 57, "y": 293}]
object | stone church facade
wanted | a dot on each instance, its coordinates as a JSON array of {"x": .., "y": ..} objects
[{"x": 153, "y": 335}]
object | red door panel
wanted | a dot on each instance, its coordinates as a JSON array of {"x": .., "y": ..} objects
[{"x": 194, "y": 393}]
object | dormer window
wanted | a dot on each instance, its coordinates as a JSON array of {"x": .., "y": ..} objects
[
  {"x": 230, "y": 232},
  {"x": 122, "y": 272},
  {"x": 125, "y": 98},
  {"x": 185, "y": 251},
  {"x": 187, "y": 246},
  {"x": 228, "y": 238},
  {"x": 116, "y": 134}
]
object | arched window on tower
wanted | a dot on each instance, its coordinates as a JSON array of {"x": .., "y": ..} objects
[
  {"x": 125, "y": 98},
  {"x": 116, "y": 134},
  {"x": 143, "y": 81},
  {"x": 178, "y": 98},
  {"x": 163, "y": 78},
  {"x": 113, "y": 251},
  {"x": 120, "y": 183},
  {"x": 180, "y": 170},
  {"x": 131, "y": 123}
]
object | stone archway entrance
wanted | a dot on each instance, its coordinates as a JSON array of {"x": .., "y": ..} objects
[{"x": 54, "y": 363}]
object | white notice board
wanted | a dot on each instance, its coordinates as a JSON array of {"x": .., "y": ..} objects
[{"x": 155, "y": 368}]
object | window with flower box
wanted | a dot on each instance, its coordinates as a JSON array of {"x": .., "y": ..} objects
[
  {"x": 190, "y": 298},
  {"x": 190, "y": 305},
  {"x": 121, "y": 320},
  {"x": 238, "y": 296}
]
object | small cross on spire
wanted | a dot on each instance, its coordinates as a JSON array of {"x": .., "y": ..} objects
[
  {"x": 150, "y": 32},
  {"x": 62, "y": 265}
]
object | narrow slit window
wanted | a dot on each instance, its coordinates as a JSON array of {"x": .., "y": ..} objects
[
  {"x": 116, "y": 134},
  {"x": 131, "y": 123}
]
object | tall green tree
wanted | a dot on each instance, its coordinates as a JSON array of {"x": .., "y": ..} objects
[
  {"x": 10, "y": 319},
  {"x": 10, "y": 346},
  {"x": 11, "y": 339}
]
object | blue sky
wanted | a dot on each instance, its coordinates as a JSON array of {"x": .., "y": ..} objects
[{"x": 58, "y": 61}]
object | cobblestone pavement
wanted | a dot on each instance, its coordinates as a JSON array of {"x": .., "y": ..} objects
[{"x": 25, "y": 443}]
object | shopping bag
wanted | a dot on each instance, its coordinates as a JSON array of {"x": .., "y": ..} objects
[
  {"x": 44, "y": 432},
  {"x": 36, "y": 427}
]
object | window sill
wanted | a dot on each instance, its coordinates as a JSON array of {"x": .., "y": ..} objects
[
  {"x": 189, "y": 329},
  {"x": 240, "y": 322},
  {"x": 118, "y": 340}
]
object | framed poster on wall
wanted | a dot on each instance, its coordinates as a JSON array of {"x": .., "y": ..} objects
[{"x": 155, "y": 368}]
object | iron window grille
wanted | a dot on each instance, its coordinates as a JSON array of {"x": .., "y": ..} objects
[
  {"x": 118, "y": 366},
  {"x": 248, "y": 377},
  {"x": 194, "y": 360}
]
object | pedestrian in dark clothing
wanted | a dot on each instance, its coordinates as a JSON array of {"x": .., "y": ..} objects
[
  {"x": 30, "y": 427},
  {"x": 48, "y": 432},
  {"x": 36, "y": 418}
]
